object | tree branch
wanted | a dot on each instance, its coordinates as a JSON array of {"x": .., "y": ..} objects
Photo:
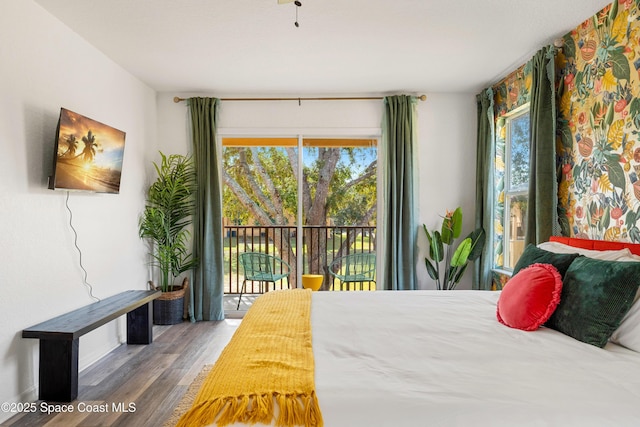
[
  {"x": 328, "y": 159},
  {"x": 255, "y": 187},
  {"x": 275, "y": 201},
  {"x": 368, "y": 172},
  {"x": 257, "y": 212}
]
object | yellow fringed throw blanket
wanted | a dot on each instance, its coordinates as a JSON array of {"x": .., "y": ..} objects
[{"x": 267, "y": 364}]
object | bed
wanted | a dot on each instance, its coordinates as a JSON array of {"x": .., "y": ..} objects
[{"x": 441, "y": 358}]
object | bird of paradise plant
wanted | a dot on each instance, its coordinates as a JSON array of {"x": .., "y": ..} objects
[{"x": 455, "y": 261}]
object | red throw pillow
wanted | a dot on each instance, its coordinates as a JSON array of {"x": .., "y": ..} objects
[{"x": 530, "y": 297}]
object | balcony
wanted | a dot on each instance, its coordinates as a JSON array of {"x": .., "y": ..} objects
[{"x": 321, "y": 244}]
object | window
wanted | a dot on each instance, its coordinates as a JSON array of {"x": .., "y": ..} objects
[
  {"x": 285, "y": 193},
  {"x": 516, "y": 186}
]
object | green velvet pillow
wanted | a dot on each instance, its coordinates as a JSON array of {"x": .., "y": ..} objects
[
  {"x": 534, "y": 255},
  {"x": 596, "y": 295}
]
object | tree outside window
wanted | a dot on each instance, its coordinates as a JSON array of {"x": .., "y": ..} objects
[{"x": 516, "y": 186}]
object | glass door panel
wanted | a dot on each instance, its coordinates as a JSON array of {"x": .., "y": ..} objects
[
  {"x": 339, "y": 204},
  {"x": 260, "y": 205}
]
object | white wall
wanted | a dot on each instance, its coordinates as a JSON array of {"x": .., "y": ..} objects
[
  {"x": 446, "y": 169},
  {"x": 45, "y": 66},
  {"x": 445, "y": 150},
  {"x": 272, "y": 118}
]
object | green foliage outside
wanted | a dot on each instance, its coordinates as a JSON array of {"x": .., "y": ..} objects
[
  {"x": 234, "y": 246},
  {"x": 338, "y": 189},
  {"x": 265, "y": 173}
]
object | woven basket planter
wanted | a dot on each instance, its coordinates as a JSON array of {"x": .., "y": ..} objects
[{"x": 168, "y": 309}]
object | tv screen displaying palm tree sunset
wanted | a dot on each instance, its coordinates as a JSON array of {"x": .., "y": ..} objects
[{"x": 88, "y": 155}]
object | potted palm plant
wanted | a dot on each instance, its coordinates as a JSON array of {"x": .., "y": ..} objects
[{"x": 165, "y": 222}]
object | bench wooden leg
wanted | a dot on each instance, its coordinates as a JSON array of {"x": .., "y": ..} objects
[
  {"x": 140, "y": 325},
  {"x": 59, "y": 370}
]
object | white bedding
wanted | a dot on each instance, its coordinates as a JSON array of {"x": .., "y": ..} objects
[{"x": 440, "y": 358}]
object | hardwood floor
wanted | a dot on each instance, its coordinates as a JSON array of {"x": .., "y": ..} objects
[{"x": 146, "y": 380}]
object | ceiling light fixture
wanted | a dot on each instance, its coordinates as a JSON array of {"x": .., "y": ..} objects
[{"x": 298, "y": 4}]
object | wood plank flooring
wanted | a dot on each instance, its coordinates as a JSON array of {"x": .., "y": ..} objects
[{"x": 151, "y": 378}]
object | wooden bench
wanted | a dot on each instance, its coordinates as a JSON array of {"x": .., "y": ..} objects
[{"x": 60, "y": 337}]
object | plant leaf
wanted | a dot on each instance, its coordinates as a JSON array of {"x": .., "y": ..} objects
[
  {"x": 431, "y": 269},
  {"x": 613, "y": 12},
  {"x": 459, "y": 275},
  {"x": 604, "y": 184},
  {"x": 606, "y": 218},
  {"x": 566, "y": 137},
  {"x": 634, "y": 107},
  {"x": 609, "y": 117},
  {"x": 449, "y": 283},
  {"x": 620, "y": 65},
  {"x": 569, "y": 46},
  {"x": 432, "y": 248},
  {"x": 437, "y": 247},
  {"x": 168, "y": 210},
  {"x": 447, "y": 230},
  {"x": 452, "y": 226},
  {"x": 461, "y": 254},
  {"x": 616, "y": 134},
  {"x": 616, "y": 174},
  {"x": 430, "y": 239},
  {"x": 456, "y": 221},
  {"x": 478, "y": 238}
]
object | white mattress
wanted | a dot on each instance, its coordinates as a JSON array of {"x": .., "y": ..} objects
[{"x": 440, "y": 358}]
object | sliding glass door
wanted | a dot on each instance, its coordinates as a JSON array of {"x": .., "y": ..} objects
[{"x": 281, "y": 194}]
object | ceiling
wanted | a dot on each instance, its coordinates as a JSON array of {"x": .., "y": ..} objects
[{"x": 347, "y": 47}]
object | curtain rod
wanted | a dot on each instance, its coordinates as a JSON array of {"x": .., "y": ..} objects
[{"x": 178, "y": 99}]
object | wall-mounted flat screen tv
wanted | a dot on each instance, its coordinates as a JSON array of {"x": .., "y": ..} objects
[{"x": 88, "y": 155}]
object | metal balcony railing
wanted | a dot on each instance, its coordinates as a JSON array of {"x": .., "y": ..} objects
[{"x": 321, "y": 245}]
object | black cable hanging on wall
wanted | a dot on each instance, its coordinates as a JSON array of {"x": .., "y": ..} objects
[{"x": 75, "y": 243}]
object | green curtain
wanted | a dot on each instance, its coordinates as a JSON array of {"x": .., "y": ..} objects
[
  {"x": 206, "y": 302},
  {"x": 485, "y": 157},
  {"x": 542, "y": 219},
  {"x": 399, "y": 234}
]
